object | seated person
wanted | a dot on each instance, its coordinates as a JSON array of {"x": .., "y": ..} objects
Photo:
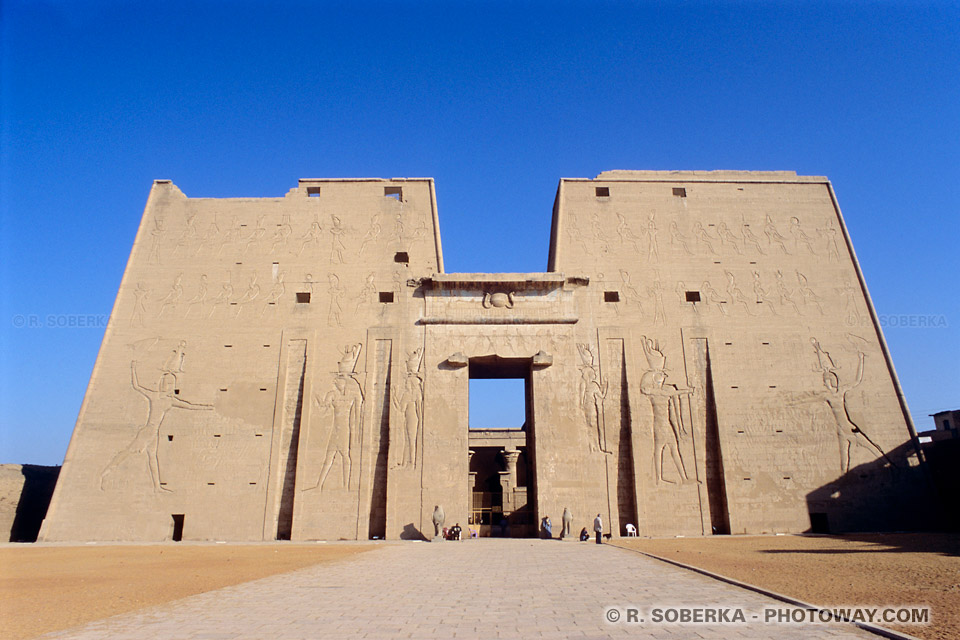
[
  {"x": 584, "y": 536},
  {"x": 455, "y": 532}
]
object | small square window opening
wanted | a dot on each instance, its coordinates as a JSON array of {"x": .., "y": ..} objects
[
  {"x": 394, "y": 192},
  {"x": 402, "y": 256},
  {"x": 680, "y": 191},
  {"x": 386, "y": 296},
  {"x": 303, "y": 297},
  {"x": 693, "y": 296},
  {"x": 313, "y": 192},
  {"x": 611, "y": 296},
  {"x": 603, "y": 192}
]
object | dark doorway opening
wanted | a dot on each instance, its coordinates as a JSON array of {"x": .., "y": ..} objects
[
  {"x": 177, "y": 527},
  {"x": 502, "y": 501}
]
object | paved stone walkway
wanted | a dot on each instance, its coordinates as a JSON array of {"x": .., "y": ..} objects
[{"x": 471, "y": 589}]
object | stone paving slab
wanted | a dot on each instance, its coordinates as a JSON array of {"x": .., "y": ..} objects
[{"x": 471, "y": 589}]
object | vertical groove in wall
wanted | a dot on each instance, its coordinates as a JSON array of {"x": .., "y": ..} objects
[
  {"x": 290, "y": 432},
  {"x": 381, "y": 440},
  {"x": 618, "y": 436},
  {"x": 716, "y": 484}
]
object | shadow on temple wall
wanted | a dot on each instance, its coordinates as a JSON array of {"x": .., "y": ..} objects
[
  {"x": 38, "y": 484},
  {"x": 886, "y": 494}
]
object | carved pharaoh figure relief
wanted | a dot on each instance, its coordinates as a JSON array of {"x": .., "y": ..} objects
[{"x": 668, "y": 426}]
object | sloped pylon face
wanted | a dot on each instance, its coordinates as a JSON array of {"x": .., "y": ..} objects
[{"x": 700, "y": 357}]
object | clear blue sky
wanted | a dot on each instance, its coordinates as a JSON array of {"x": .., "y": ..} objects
[{"x": 496, "y": 101}]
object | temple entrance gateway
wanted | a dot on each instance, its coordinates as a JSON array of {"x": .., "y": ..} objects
[{"x": 500, "y": 492}]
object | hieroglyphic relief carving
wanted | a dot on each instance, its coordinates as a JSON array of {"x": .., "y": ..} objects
[
  {"x": 849, "y": 434},
  {"x": 196, "y": 302},
  {"x": 626, "y": 234},
  {"x": 499, "y": 300},
  {"x": 253, "y": 241},
  {"x": 653, "y": 250},
  {"x": 208, "y": 239},
  {"x": 174, "y": 362},
  {"x": 773, "y": 235},
  {"x": 800, "y": 237},
  {"x": 681, "y": 290},
  {"x": 668, "y": 427},
  {"x": 368, "y": 292},
  {"x": 336, "y": 243},
  {"x": 591, "y": 393},
  {"x": 598, "y": 233},
  {"x": 850, "y": 307},
  {"x": 829, "y": 236},
  {"x": 281, "y": 235},
  {"x": 762, "y": 296},
  {"x": 573, "y": 230},
  {"x": 749, "y": 237},
  {"x": 807, "y": 293},
  {"x": 657, "y": 292},
  {"x": 677, "y": 238},
  {"x": 276, "y": 292},
  {"x": 630, "y": 292},
  {"x": 173, "y": 296},
  {"x": 398, "y": 227},
  {"x": 712, "y": 296},
  {"x": 145, "y": 442},
  {"x": 735, "y": 294},
  {"x": 311, "y": 237},
  {"x": 232, "y": 235},
  {"x": 727, "y": 238},
  {"x": 187, "y": 236},
  {"x": 785, "y": 294},
  {"x": 422, "y": 230},
  {"x": 408, "y": 399},
  {"x": 336, "y": 301},
  {"x": 140, "y": 294},
  {"x": 703, "y": 238},
  {"x": 372, "y": 234},
  {"x": 156, "y": 236},
  {"x": 223, "y": 298},
  {"x": 251, "y": 294},
  {"x": 343, "y": 407}
]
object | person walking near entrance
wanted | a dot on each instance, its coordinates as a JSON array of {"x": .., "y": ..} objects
[{"x": 598, "y": 527}]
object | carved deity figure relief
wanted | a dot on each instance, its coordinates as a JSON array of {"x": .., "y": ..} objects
[
  {"x": 498, "y": 300},
  {"x": 208, "y": 239},
  {"x": 591, "y": 392},
  {"x": 830, "y": 241},
  {"x": 598, "y": 235},
  {"x": 785, "y": 294},
  {"x": 735, "y": 294},
  {"x": 398, "y": 227},
  {"x": 368, "y": 292},
  {"x": 173, "y": 296},
  {"x": 174, "y": 362},
  {"x": 140, "y": 295},
  {"x": 727, "y": 237},
  {"x": 251, "y": 294},
  {"x": 308, "y": 283},
  {"x": 630, "y": 292},
  {"x": 678, "y": 239},
  {"x": 749, "y": 238},
  {"x": 703, "y": 238},
  {"x": 773, "y": 235},
  {"x": 223, "y": 298},
  {"x": 196, "y": 302},
  {"x": 408, "y": 399},
  {"x": 800, "y": 237},
  {"x": 712, "y": 296},
  {"x": 573, "y": 230},
  {"x": 371, "y": 235},
  {"x": 625, "y": 234},
  {"x": 273, "y": 297},
  {"x": 668, "y": 427},
  {"x": 188, "y": 234},
  {"x": 336, "y": 301},
  {"x": 145, "y": 443},
  {"x": 311, "y": 237},
  {"x": 421, "y": 231},
  {"x": 232, "y": 235},
  {"x": 343, "y": 407},
  {"x": 156, "y": 236},
  {"x": 281, "y": 235},
  {"x": 852, "y": 313},
  {"x": 253, "y": 241},
  {"x": 849, "y": 434},
  {"x": 761, "y": 294},
  {"x": 653, "y": 250},
  {"x": 807, "y": 293},
  {"x": 337, "y": 247},
  {"x": 657, "y": 292}
]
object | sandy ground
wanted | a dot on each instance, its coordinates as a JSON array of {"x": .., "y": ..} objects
[
  {"x": 868, "y": 569},
  {"x": 46, "y": 588}
]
